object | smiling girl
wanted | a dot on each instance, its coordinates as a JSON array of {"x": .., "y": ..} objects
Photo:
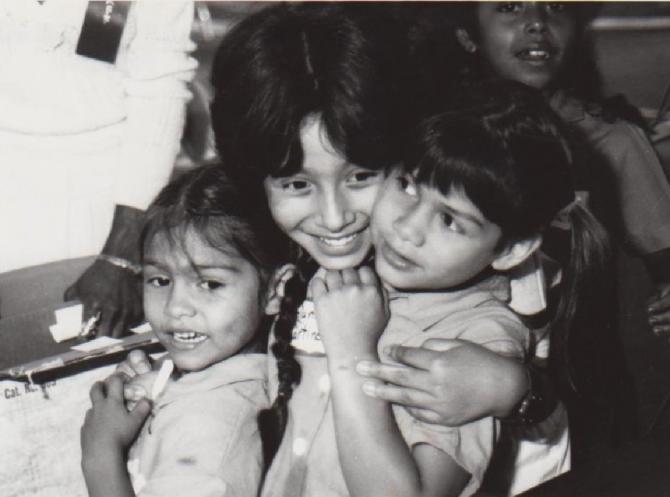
[{"x": 211, "y": 274}]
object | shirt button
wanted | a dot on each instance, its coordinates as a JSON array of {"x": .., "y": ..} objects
[
  {"x": 324, "y": 384},
  {"x": 299, "y": 446}
]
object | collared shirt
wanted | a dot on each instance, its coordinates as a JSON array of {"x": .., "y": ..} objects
[
  {"x": 307, "y": 462},
  {"x": 202, "y": 437}
]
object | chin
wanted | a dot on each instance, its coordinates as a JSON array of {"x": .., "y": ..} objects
[
  {"x": 189, "y": 363},
  {"x": 339, "y": 263}
]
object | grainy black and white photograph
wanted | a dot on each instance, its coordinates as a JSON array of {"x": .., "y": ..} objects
[{"x": 333, "y": 249}]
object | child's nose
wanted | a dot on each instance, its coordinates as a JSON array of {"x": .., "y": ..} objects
[
  {"x": 535, "y": 18},
  {"x": 179, "y": 303},
  {"x": 410, "y": 227},
  {"x": 336, "y": 212}
]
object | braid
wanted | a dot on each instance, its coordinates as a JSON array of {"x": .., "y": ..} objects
[{"x": 272, "y": 421}]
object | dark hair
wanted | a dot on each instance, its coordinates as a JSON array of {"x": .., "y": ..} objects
[
  {"x": 506, "y": 149},
  {"x": 346, "y": 64},
  {"x": 222, "y": 212}
]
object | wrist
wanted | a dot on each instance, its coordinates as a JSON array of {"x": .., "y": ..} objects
[
  {"x": 538, "y": 402},
  {"x": 347, "y": 362},
  {"x": 515, "y": 386},
  {"x": 123, "y": 240},
  {"x": 121, "y": 263}
]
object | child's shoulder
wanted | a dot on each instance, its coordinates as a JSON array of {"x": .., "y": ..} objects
[
  {"x": 613, "y": 119},
  {"x": 478, "y": 314},
  {"x": 243, "y": 376}
]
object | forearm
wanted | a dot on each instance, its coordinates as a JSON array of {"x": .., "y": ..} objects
[
  {"x": 123, "y": 240},
  {"x": 106, "y": 476},
  {"x": 374, "y": 457}
]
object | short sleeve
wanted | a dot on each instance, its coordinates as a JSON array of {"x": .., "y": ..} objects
[{"x": 470, "y": 445}]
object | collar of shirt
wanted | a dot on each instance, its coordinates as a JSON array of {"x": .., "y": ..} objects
[
  {"x": 239, "y": 368},
  {"x": 428, "y": 308}
]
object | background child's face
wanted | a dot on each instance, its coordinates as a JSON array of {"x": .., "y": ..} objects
[
  {"x": 204, "y": 305},
  {"x": 326, "y": 207},
  {"x": 525, "y": 41},
  {"x": 425, "y": 240}
]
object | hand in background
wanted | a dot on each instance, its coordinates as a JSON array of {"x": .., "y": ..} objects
[
  {"x": 105, "y": 287},
  {"x": 447, "y": 382},
  {"x": 114, "y": 292},
  {"x": 658, "y": 310}
]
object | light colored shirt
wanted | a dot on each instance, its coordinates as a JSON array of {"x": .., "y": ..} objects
[
  {"x": 202, "y": 438},
  {"x": 307, "y": 462}
]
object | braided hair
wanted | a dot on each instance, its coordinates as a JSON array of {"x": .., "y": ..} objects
[{"x": 347, "y": 65}]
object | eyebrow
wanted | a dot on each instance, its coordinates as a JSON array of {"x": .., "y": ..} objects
[{"x": 196, "y": 267}]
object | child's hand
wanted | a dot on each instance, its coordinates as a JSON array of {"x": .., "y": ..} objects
[
  {"x": 140, "y": 374},
  {"x": 137, "y": 388},
  {"x": 351, "y": 311},
  {"x": 109, "y": 428},
  {"x": 438, "y": 381},
  {"x": 658, "y": 310}
]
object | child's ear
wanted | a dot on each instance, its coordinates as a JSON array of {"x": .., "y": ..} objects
[
  {"x": 275, "y": 292},
  {"x": 515, "y": 253},
  {"x": 466, "y": 40}
]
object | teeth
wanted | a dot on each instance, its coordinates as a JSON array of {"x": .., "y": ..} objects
[
  {"x": 538, "y": 54},
  {"x": 338, "y": 242},
  {"x": 188, "y": 337}
]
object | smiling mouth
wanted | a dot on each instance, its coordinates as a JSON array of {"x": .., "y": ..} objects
[
  {"x": 537, "y": 54},
  {"x": 187, "y": 337},
  {"x": 338, "y": 241},
  {"x": 394, "y": 258}
]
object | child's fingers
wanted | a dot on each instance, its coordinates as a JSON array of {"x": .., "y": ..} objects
[
  {"x": 114, "y": 386},
  {"x": 97, "y": 392},
  {"x": 396, "y": 395},
  {"x": 333, "y": 280},
  {"x": 367, "y": 276},
  {"x": 141, "y": 410},
  {"x": 391, "y": 373},
  {"x": 133, "y": 393},
  {"x": 317, "y": 288},
  {"x": 350, "y": 277},
  {"x": 139, "y": 362}
]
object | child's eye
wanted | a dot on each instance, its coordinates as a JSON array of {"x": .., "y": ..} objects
[
  {"x": 508, "y": 7},
  {"x": 157, "y": 281},
  {"x": 451, "y": 224},
  {"x": 211, "y": 285},
  {"x": 295, "y": 185},
  {"x": 407, "y": 185},
  {"x": 556, "y": 7},
  {"x": 363, "y": 177}
]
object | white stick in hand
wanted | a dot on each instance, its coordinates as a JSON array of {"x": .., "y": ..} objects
[{"x": 162, "y": 379}]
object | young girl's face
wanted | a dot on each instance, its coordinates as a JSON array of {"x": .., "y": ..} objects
[
  {"x": 425, "y": 240},
  {"x": 525, "y": 41},
  {"x": 203, "y": 304},
  {"x": 326, "y": 206}
]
